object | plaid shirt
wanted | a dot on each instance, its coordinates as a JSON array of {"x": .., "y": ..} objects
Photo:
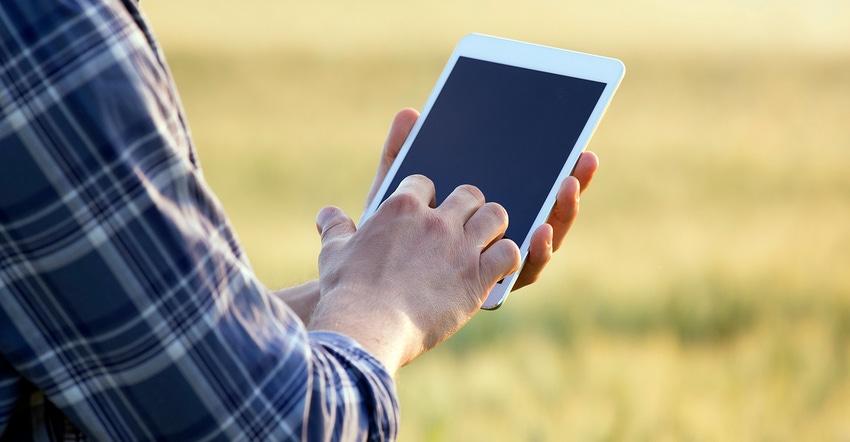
[{"x": 127, "y": 307}]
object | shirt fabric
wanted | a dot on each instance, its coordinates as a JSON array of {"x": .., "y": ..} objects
[{"x": 127, "y": 306}]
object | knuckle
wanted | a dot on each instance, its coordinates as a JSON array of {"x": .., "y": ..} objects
[
  {"x": 402, "y": 201},
  {"x": 471, "y": 191},
  {"x": 419, "y": 179},
  {"x": 330, "y": 228},
  {"x": 408, "y": 195},
  {"x": 333, "y": 233},
  {"x": 438, "y": 225},
  {"x": 496, "y": 212}
]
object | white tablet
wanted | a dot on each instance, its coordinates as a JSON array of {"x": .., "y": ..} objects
[{"x": 510, "y": 118}]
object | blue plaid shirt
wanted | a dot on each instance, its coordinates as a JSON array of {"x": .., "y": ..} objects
[{"x": 127, "y": 308}]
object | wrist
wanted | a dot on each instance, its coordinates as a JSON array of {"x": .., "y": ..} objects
[{"x": 387, "y": 333}]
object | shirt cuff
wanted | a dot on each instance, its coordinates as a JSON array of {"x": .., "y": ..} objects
[{"x": 376, "y": 385}]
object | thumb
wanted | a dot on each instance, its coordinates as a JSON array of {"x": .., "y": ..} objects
[{"x": 333, "y": 223}]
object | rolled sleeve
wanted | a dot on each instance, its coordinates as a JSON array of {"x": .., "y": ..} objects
[
  {"x": 125, "y": 296},
  {"x": 375, "y": 406}
]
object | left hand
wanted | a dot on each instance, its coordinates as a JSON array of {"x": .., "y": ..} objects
[{"x": 548, "y": 238}]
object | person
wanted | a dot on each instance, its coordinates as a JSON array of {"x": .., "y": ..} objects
[{"x": 128, "y": 309}]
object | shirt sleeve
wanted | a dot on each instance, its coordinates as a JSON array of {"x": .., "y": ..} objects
[{"x": 125, "y": 296}]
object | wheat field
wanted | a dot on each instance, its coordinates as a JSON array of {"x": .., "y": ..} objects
[{"x": 704, "y": 293}]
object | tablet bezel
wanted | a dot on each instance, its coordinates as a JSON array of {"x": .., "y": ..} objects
[{"x": 530, "y": 56}]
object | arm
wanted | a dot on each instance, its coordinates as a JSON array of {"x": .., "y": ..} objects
[
  {"x": 124, "y": 295},
  {"x": 366, "y": 275}
]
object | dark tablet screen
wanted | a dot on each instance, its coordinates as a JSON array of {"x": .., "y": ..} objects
[{"x": 506, "y": 130}]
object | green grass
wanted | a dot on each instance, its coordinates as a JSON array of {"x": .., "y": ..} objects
[{"x": 703, "y": 294}]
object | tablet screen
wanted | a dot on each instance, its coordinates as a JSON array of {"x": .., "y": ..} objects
[{"x": 505, "y": 129}]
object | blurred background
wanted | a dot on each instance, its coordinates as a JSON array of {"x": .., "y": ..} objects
[{"x": 704, "y": 293}]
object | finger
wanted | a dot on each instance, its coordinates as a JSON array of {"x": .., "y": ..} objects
[
  {"x": 565, "y": 211},
  {"x": 462, "y": 203},
  {"x": 550, "y": 236},
  {"x": 497, "y": 262},
  {"x": 399, "y": 130},
  {"x": 415, "y": 189},
  {"x": 539, "y": 254},
  {"x": 332, "y": 223},
  {"x": 487, "y": 224},
  {"x": 567, "y": 201},
  {"x": 585, "y": 168}
]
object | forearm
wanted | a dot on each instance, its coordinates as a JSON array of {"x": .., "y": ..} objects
[{"x": 157, "y": 328}]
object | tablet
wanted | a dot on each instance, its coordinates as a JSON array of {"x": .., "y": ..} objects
[{"x": 510, "y": 118}]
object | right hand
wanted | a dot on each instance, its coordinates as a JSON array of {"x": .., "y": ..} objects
[
  {"x": 547, "y": 238},
  {"x": 413, "y": 274}
]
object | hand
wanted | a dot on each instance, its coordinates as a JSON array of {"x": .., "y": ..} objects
[
  {"x": 412, "y": 274},
  {"x": 548, "y": 238},
  {"x": 303, "y": 299}
]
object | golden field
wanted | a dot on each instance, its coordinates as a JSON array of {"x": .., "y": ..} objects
[{"x": 704, "y": 293}]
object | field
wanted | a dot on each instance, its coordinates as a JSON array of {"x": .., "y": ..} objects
[{"x": 704, "y": 293}]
